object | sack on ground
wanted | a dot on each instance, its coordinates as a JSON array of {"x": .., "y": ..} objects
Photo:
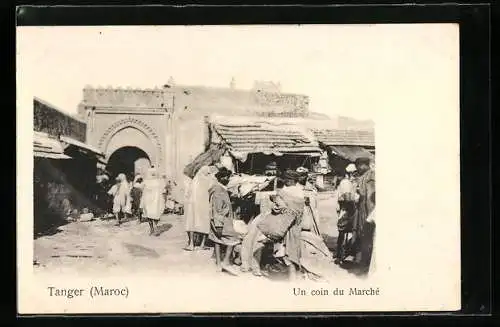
[
  {"x": 86, "y": 216},
  {"x": 170, "y": 204}
]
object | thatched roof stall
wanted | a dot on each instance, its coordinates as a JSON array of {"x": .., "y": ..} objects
[
  {"x": 45, "y": 146},
  {"x": 253, "y": 142},
  {"x": 345, "y": 145},
  {"x": 347, "y": 142},
  {"x": 246, "y": 135},
  {"x": 250, "y": 144},
  {"x": 62, "y": 169}
]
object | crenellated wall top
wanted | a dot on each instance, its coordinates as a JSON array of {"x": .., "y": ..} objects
[
  {"x": 296, "y": 101},
  {"x": 128, "y": 97},
  {"x": 116, "y": 98}
]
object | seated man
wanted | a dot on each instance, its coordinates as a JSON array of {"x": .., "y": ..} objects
[{"x": 221, "y": 221}]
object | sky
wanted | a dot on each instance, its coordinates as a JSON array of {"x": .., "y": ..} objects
[{"x": 337, "y": 66}]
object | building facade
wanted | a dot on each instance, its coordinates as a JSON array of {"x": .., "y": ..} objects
[
  {"x": 64, "y": 167},
  {"x": 164, "y": 127},
  {"x": 132, "y": 127}
]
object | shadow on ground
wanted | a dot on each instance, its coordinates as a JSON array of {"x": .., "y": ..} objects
[
  {"x": 140, "y": 251},
  {"x": 107, "y": 217},
  {"x": 160, "y": 229},
  {"x": 331, "y": 243},
  {"x": 49, "y": 231},
  {"x": 122, "y": 220}
]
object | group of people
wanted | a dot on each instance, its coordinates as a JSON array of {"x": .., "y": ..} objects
[
  {"x": 287, "y": 225},
  {"x": 356, "y": 211},
  {"x": 143, "y": 198}
]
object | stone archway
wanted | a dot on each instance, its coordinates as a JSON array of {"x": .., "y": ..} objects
[
  {"x": 128, "y": 160},
  {"x": 132, "y": 132},
  {"x": 131, "y": 137}
]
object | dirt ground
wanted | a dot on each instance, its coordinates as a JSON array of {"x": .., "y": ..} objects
[{"x": 98, "y": 246}]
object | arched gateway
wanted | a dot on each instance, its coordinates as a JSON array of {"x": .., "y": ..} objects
[
  {"x": 132, "y": 127},
  {"x": 132, "y": 132},
  {"x": 138, "y": 127}
]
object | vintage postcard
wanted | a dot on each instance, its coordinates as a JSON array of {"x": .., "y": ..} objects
[{"x": 181, "y": 169}]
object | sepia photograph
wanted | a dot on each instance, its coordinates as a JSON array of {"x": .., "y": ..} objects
[{"x": 239, "y": 158}]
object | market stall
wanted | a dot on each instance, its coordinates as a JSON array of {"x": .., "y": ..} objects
[
  {"x": 256, "y": 150},
  {"x": 64, "y": 171},
  {"x": 343, "y": 146}
]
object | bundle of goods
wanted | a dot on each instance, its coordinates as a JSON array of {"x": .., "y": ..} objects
[
  {"x": 172, "y": 206},
  {"x": 243, "y": 190},
  {"x": 173, "y": 199},
  {"x": 242, "y": 185}
]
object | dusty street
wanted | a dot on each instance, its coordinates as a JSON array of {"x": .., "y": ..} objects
[{"x": 98, "y": 247}]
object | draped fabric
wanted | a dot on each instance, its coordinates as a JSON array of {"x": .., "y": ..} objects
[
  {"x": 153, "y": 203},
  {"x": 121, "y": 195},
  {"x": 346, "y": 186},
  {"x": 221, "y": 217},
  {"x": 373, "y": 263},
  {"x": 310, "y": 219},
  {"x": 362, "y": 232},
  {"x": 366, "y": 187},
  {"x": 136, "y": 193},
  {"x": 197, "y": 206},
  {"x": 315, "y": 257},
  {"x": 346, "y": 204}
]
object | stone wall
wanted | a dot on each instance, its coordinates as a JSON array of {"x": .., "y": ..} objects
[
  {"x": 118, "y": 98},
  {"x": 193, "y": 103},
  {"x": 48, "y": 119},
  {"x": 174, "y": 115},
  {"x": 189, "y": 99}
]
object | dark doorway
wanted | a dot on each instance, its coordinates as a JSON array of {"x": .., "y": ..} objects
[{"x": 127, "y": 160}]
